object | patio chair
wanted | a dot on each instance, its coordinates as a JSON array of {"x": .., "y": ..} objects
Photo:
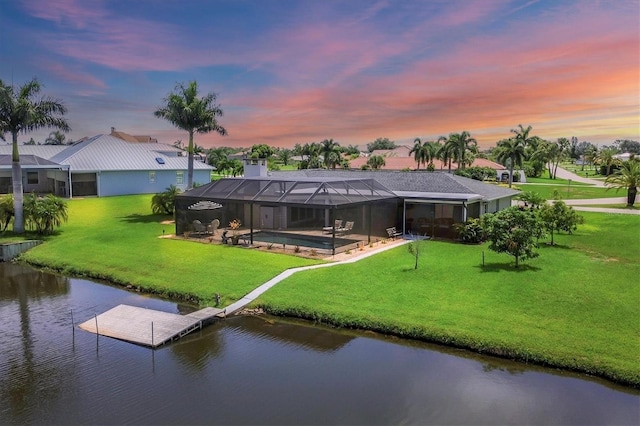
[
  {"x": 225, "y": 239},
  {"x": 213, "y": 226},
  {"x": 393, "y": 233},
  {"x": 199, "y": 228},
  {"x": 346, "y": 229},
  {"x": 329, "y": 229}
]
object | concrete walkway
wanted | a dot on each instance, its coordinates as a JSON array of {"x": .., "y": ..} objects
[
  {"x": 286, "y": 274},
  {"x": 566, "y": 174}
]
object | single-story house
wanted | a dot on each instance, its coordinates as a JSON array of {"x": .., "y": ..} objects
[
  {"x": 39, "y": 175},
  {"x": 324, "y": 201},
  {"x": 103, "y": 165}
]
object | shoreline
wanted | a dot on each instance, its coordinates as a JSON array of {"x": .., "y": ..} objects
[{"x": 445, "y": 340}]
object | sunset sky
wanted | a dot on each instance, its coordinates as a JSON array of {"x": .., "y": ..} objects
[{"x": 299, "y": 71}]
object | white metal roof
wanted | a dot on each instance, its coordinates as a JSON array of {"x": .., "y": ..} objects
[{"x": 108, "y": 153}]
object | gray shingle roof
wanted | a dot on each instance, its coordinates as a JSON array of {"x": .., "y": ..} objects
[
  {"x": 27, "y": 160},
  {"x": 417, "y": 183}
]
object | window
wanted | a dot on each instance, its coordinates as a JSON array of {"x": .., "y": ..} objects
[
  {"x": 179, "y": 178},
  {"x": 152, "y": 177},
  {"x": 32, "y": 178}
]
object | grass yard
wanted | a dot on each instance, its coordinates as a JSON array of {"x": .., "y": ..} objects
[
  {"x": 575, "y": 307},
  {"x": 116, "y": 238},
  {"x": 557, "y": 181},
  {"x": 571, "y": 192}
]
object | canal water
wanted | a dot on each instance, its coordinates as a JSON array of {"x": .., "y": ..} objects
[{"x": 257, "y": 370}]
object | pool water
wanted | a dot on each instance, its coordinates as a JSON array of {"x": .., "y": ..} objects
[{"x": 312, "y": 241}]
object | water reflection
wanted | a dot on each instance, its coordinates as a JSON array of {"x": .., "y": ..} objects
[
  {"x": 24, "y": 376},
  {"x": 260, "y": 371}
]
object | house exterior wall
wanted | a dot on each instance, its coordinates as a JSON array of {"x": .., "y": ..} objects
[
  {"x": 143, "y": 182},
  {"x": 48, "y": 182}
]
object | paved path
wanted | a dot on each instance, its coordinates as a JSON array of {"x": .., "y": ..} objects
[
  {"x": 286, "y": 274},
  {"x": 566, "y": 174}
]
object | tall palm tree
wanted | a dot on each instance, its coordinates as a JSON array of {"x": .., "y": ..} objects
[
  {"x": 628, "y": 177},
  {"x": 460, "y": 144},
  {"x": 419, "y": 151},
  {"x": 511, "y": 149},
  {"x": 185, "y": 110},
  {"x": 22, "y": 111},
  {"x": 444, "y": 153},
  {"x": 522, "y": 135}
]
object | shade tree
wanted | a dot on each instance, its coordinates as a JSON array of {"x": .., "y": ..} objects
[
  {"x": 514, "y": 231},
  {"x": 557, "y": 217}
]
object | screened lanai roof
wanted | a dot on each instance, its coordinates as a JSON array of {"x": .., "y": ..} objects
[{"x": 300, "y": 191}]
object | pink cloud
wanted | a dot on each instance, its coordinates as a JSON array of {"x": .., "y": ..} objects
[{"x": 72, "y": 75}]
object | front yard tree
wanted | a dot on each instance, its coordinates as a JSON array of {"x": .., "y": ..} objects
[
  {"x": 627, "y": 177},
  {"x": 22, "y": 111},
  {"x": 558, "y": 217},
  {"x": 514, "y": 231},
  {"x": 185, "y": 110}
]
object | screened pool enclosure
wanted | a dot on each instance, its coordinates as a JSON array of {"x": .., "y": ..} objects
[{"x": 329, "y": 211}]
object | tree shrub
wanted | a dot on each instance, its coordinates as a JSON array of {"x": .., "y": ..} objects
[
  {"x": 44, "y": 213},
  {"x": 471, "y": 231},
  {"x": 6, "y": 211},
  {"x": 165, "y": 202}
]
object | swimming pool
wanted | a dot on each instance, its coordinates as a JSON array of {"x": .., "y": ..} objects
[{"x": 312, "y": 241}]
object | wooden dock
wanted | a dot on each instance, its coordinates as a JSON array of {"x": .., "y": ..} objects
[{"x": 147, "y": 327}]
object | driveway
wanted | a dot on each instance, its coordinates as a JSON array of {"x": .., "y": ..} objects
[{"x": 566, "y": 174}]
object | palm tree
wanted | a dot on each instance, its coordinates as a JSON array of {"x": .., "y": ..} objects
[
  {"x": 522, "y": 135},
  {"x": 186, "y": 111},
  {"x": 628, "y": 177},
  {"x": 329, "y": 147},
  {"x": 56, "y": 138},
  {"x": 419, "y": 152},
  {"x": 444, "y": 153},
  {"x": 606, "y": 158},
  {"x": 460, "y": 144},
  {"x": 510, "y": 149},
  {"x": 21, "y": 111},
  {"x": 376, "y": 162}
]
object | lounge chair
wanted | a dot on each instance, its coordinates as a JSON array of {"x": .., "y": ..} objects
[
  {"x": 346, "y": 229},
  {"x": 393, "y": 233},
  {"x": 213, "y": 226},
  {"x": 199, "y": 228},
  {"x": 329, "y": 229}
]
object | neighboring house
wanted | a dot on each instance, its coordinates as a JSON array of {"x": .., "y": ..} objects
[
  {"x": 39, "y": 175},
  {"x": 401, "y": 151},
  {"x": 418, "y": 203},
  {"x": 132, "y": 138},
  {"x": 105, "y": 165},
  {"x": 409, "y": 163}
]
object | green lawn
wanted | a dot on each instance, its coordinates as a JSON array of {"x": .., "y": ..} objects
[
  {"x": 556, "y": 181},
  {"x": 116, "y": 238},
  {"x": 571, "y": 192},
  {"x": 576, "y": 306}
]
